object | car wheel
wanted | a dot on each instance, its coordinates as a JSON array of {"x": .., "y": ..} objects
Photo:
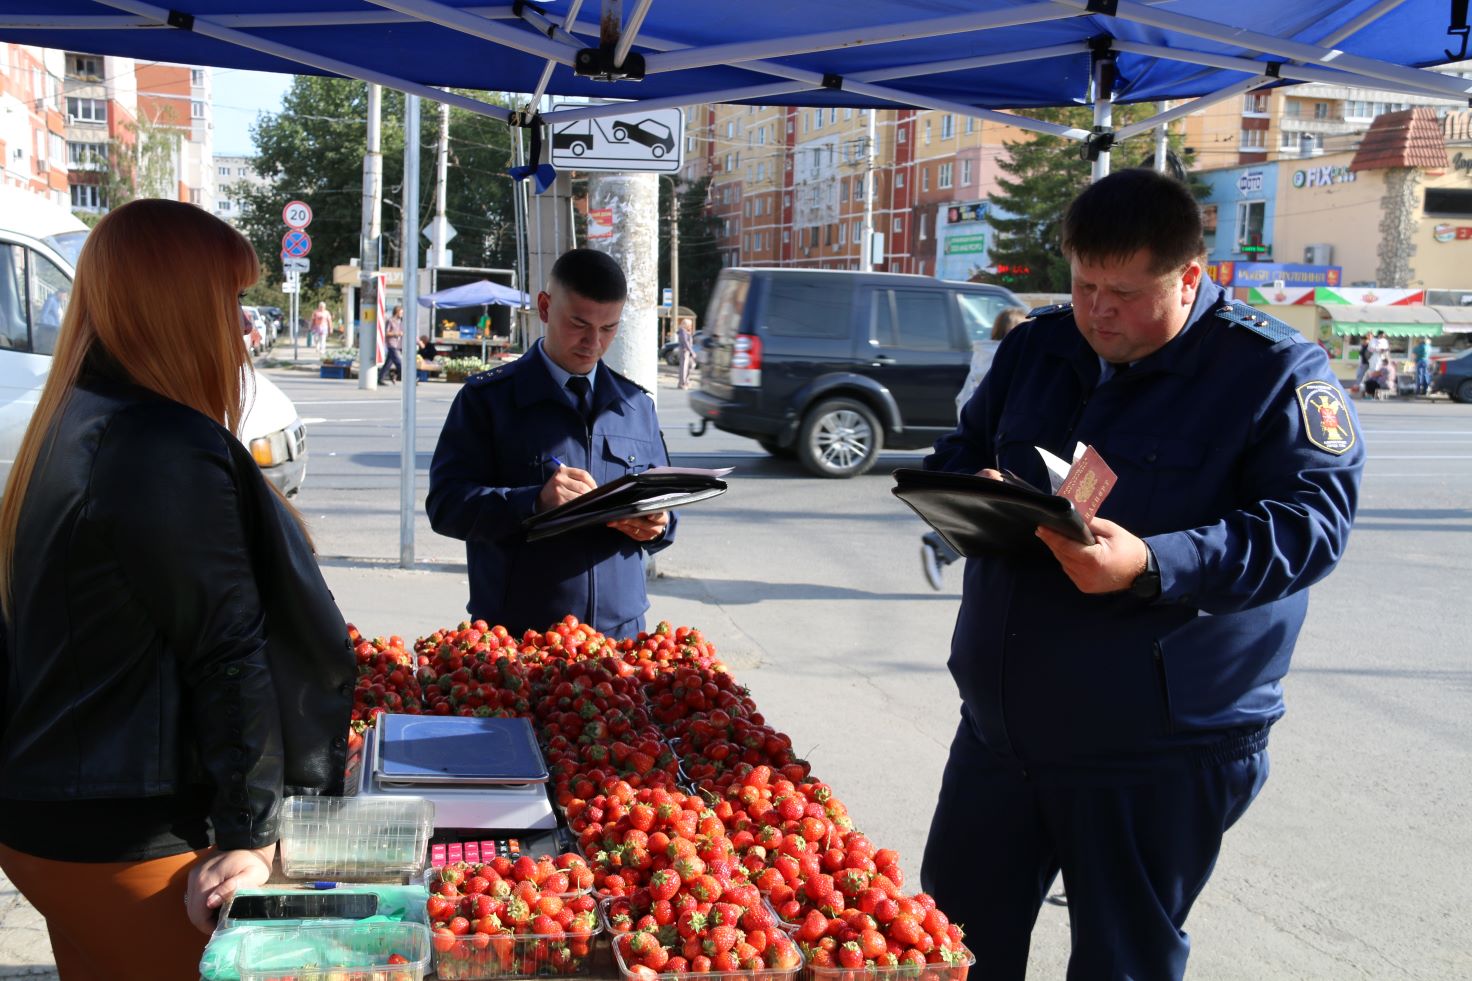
[
  {"x": 1463, "y": 392},
  {"x": 657, "y": 150},
  {"x": 620, "y": 134},
  {"x": 839, "y": 438},
  {"x": 672, "y": 359},
  {"x": 777, "y": 450}
]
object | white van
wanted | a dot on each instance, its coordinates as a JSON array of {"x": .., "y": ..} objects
[{"x": 39, "y": 244}]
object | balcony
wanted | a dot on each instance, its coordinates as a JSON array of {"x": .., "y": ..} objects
[{"x": 1305, "y": 124}]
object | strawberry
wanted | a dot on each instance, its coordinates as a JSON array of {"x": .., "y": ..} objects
[
  {"x": 720, "y": 939},
  {"x": 850, "y": 956},
  {"x": 872, "y": 943},
  {"x": 664, "y": 884}
]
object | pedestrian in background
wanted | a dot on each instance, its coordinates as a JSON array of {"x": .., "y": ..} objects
[
  {"x": 173, "y": 664},
  {"x": 1422, "y": 353},
  {"x": 321, "y": 327},
  {"x": 1367, "y": 346},
  {"x": 935, "y": 552},
  {"x": 393, "y": 333},
  {"x": 686, "y": 335},
  {"x": 1116, "y": 697}
]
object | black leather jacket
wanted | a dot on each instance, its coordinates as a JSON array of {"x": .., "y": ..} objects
[{"x": 170, "y": 629}]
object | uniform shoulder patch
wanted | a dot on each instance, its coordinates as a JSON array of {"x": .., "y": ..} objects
[
  {"x": 625, "y": 378},
  {"x": 1052, "y": 310},
  {"x": 498, "y": 373},
  {"x": 1264, "y": 325},
  {"x": 1326, "y": 422}
]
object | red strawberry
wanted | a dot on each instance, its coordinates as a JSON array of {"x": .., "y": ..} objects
[
  {"x": 850, "y": 956},
  {"x": 720, "y": 939},
  {"x": 664, "y": 884}
]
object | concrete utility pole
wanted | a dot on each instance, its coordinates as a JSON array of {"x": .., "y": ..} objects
[
  {"x": 410, "y": 251},
  {"x": 368, "y": 249},
  {"x": 633, "y": 200},
  {"x": 1162, "y": 139},
  {"x": 440, "y": 231}
]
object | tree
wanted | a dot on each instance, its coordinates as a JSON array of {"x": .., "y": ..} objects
[
  {"x": 700, "y": 259},
  {"x": 140, "y": 163},
  {"x": 1044, "y": 173},
  {"x": 313, "y": 150}
]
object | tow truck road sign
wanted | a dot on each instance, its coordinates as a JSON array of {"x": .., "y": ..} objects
[
  {"x": 640, "y": 140},
  {"x": 297, "y": 214},
  {"x": 296, "y": 244},
  {"x": 291, "y": 264}
]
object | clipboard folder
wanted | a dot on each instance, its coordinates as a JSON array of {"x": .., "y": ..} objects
[
  {"x": 979, "y": 515},
  {"x": 657, "y": 489}
]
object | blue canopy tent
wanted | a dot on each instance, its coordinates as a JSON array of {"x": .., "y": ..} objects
[
  {"x": 968, "y": 57},
  {"x": 480, "y": 293}
]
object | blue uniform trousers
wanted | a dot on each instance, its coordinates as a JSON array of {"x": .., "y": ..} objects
[{"x": 1135, "y": 850}]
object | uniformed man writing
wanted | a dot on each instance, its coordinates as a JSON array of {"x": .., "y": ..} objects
[
  {"x": 1117, "y": 697},
  {"x": 537, "y": 433}
]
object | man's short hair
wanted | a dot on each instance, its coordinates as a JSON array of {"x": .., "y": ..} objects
[
  {"x": 1130, "y": 211},
  {"x": 592, "y": 275}
]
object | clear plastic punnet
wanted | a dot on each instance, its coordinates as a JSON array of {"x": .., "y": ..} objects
[
  {"x": 474, "y": 957},
  {"x": 355, "y": 839},
  {"x": 956, "y": 970},
  {"x": 362, "y": 951},
  {"x": 766, "y": 974}
]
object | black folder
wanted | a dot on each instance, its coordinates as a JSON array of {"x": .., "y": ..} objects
[
  {"x": 659, "y": 489},
  {"x": 980, "y": 515}
]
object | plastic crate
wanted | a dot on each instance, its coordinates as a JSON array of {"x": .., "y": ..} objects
[
  {"x": 767, "y": 974},
  {"x": 901, "y": 972},
  {"x": 359, "y": 839},
  {"x": 518, "y": 956},
  {"x": 313, "y": 953},
  {"x": 335, "y": 370}
]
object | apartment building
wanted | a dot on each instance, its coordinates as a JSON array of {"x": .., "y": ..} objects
[
  {"x": 32, "y": 127},
  {"x": 233, "y": 174},
  {"x": 1298, "y": 121},
  {"x": 101, "y": 102},
  {"x": 179, "y": 97}
]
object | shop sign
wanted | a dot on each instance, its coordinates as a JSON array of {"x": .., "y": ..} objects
[
  {"x": 1250, "y": 182},
  {"x": 1451, "y": 233},
  {"x": 1322, "y": 176},
  {"x": 1279, "y": 295},
  {"x": 966, "y": 212},
  {"x": 965, "y": 243},
  {"x": 1292, "y": 274},
  {"x": 1462, "y": 163},
  {"x": 1369, "y": 296}
]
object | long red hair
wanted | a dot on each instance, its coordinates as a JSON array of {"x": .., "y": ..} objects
[{"x": 156, "y": 290}]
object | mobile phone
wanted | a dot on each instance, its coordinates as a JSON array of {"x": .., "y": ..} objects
[{"x": 304, "y": 906}]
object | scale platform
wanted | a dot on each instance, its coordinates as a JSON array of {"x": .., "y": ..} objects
[{"x": 480, "y": 773}]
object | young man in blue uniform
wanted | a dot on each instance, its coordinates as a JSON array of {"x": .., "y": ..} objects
[
  {"x": 1116, "y": 698},
  {"x": 536, "y": 433}
]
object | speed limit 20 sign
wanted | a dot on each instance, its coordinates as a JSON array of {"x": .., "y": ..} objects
[{"x": 297, "y": 214}]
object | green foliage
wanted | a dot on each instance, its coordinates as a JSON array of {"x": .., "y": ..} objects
[
  {"x": 463, "y": 366},
  {"x": 1042, "y": 175},
  {"x": 314, "y": 148},
  {"x": 700, "y": 259},
  {"x": 141, "y": 166}
]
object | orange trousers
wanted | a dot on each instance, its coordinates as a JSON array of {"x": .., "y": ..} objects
[{"x": 113, "y": 921}]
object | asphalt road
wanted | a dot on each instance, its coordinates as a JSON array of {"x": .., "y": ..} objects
[{"x": 1353, "y": 863}]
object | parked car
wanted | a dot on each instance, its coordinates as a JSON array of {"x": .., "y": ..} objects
[
  {"x": 38, "y": 245},
  {"x": 832, "y": 366},
  {"x": 646, "y": 132},
  {"x": 1453, "y": 375}
]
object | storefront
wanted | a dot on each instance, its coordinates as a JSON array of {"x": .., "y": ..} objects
[{"x": 1239, "y": 213}]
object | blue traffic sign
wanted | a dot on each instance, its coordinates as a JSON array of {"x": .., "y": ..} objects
[{"x": 296, "y": 244}]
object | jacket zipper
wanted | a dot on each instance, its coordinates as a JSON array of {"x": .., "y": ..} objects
[
  {"x": 592, "y": 617},
  {"x": 1170, "y": 726}
]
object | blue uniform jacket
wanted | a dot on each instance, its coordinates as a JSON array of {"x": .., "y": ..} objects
[
  {"x": 493, "y": 457},
  {"x": 1239, "y": 461}
]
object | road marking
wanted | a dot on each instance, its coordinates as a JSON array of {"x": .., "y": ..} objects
[
  {"x": 393, "y": 403},
  {"x": 1383, "y": 456}
]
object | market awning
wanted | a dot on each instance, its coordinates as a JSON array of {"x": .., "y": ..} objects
[
  {"x": 1456, "y": 320},
  {"x": 1353, "y": 319},
  {"x": 482, "y": 292}
]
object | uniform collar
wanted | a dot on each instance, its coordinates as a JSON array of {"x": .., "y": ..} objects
[
  {"x": 1179, "y": 355},
  {"x": 535, "y": 382},
  {"x": 559, "y": 374}
]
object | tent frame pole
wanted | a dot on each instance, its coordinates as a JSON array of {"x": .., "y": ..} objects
[{"x": 409, "y": 328}]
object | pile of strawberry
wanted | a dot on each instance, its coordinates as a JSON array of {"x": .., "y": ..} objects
[
  {"x": 698, "y": 924},
  {"x": 512, "y": 918},
  {"x": 622, "y": 723}
]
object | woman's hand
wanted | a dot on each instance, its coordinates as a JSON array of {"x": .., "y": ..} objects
[{"x": 214, "y": 879}]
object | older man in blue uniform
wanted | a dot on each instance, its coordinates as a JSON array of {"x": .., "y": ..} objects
[
  {"x": 539, "y": 432},
  {"x": 1117, "y": 697}
]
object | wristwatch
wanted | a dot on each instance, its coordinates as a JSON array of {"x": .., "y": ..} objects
[{"x": 1147, "y": 584}]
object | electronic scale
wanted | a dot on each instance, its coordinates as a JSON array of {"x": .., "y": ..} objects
[{"x": 480, "y": 773}]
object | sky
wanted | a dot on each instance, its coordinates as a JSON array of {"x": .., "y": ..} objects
[{"x": 239, "y": 97}]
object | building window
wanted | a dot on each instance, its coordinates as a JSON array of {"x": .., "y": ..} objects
[
  {"x": 1292, "y": 108},
  {"x": 761, "y": 136},
  {"x": 927, "y": 132},
  {"x": 858, "y": 188},
  {"x": 900, "y": 135},
  {"x": 196, "y": 76},
  {"x": 943, "y": 178},
  {"x": 1255, "y": 102},
  {"x": 1321, "y": 110},
  {"x": 924, "y": 178},
  {"x": 730, "y": 128},
  {"x": 947, "y": 126},
  {"x": 899, "y": 178},
  {"x": 1450, "y": 202},
  {"x": 833, "y": 115},
  {"x": 971, "y": 124},
  {"x": 1254, "y": 138},
  {"x": 196, "y": 196},
  {"x": 786, "y": 236},
  {"x": 240, "y": 171},
  {"x": 196, "y": 110},
  {"x": 817, "y": 118},
  {"x": 224, "y": 205},
  {"x": 86, "y": 156},
  {"x": 1251, "y": 220},
  {"x": 848, "y": 113},
  {"x": 689, "y": 144},
  {"x": 858, "y": 231},
  {"x": 84, "y": 66},
  {"x": 924, "y": 224},
  {"x": 728, "y": 162},
  {"x": 897, "y": 225},
  {"x": 85, "y": 197},
  {"x": 86, "y": 110},
  {"x": 224, "y": 171},
  {"x": 965, "y": 173},
  {"x": 1357, "y": 109}
]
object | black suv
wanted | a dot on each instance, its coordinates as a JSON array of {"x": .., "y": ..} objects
[{"x": 832, "y": 366}]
